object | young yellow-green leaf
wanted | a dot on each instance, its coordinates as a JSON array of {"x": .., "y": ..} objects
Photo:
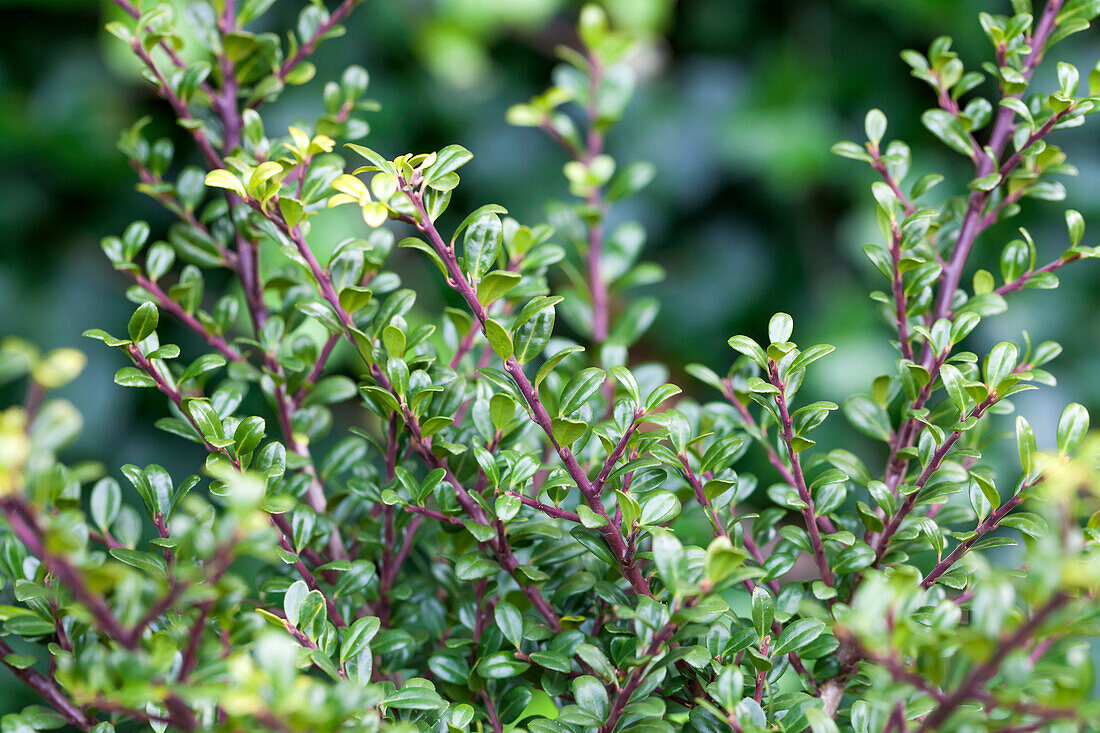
[
  {"x": 224, "y": 179},
  {"x": 722, "y": 560},
  {"x": 374, "y": 214},
  {"x": 292, "y": 211},
  {"x": 261, "y": 174}
]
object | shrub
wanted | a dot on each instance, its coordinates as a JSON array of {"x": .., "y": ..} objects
[{"x": 489, "y": 524}]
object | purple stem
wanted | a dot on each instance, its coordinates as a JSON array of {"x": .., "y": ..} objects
[
  {"x": 457, "y": 280},
  {"x": 984, "y": 673},
  {"x": 701, "y": 497},
  {"x": 980, "y": 531},
  {"x": 177, "y": 399},
  {"x": 933, "y": 466},
  {"x": 50, "y": 691},
  {"x": 809, "y": 515},
  {"x": 548, "y": 510},
  {"x": 1022, "y": 280},
  {"x": 215, "y": 341},
  {"x": 131, "y": 10},
  {"x": 21, "y": 517},
  {"x": 1002, "y": 132},
  {"x": 310, "y": 46}
]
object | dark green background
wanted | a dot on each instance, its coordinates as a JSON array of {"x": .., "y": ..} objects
[{"x": 750, "y": 213}]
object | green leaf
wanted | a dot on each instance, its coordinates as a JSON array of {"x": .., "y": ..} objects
[
  {"x": 566, "y": 431},
  {"x": 590, "y": 696},
  {"x": 531, "y": 336},
  {"x": 100, "y": 335},
  {"x": 659, "y": 507},
  {"x": 481, "y": 246},
  {"x": 954, "y": 382},
  {"x": 205, "y": 363},
  {"x": 473, "y": 565},
  {"x": 414, "y": 697},
  {"x": 210, "y": 425},
  {"x": 797, "y": 635},
  {"x": 583, "y": 385},
  {"x": 780, "y": 328},
  {"x": 499, "y": 339},
  {"x": 545, "y": 370},
  {"x": 1075, "y": 223},
  {"x": 510, "y": 621},
  {"x": 660, "y": 395},
  {"x": 249, "y": 434},
  {"x": 144, "y": 322},
  {"x": 447, "y": 160},
  {"x": 809, "y": 356},
  {"x": 133, "y": 377},
  {"x": 353, "y": 298},
  {"x": 851, "y": 559},
  {"x": 948, "y": 129},
  {"x": 868, "y": 417},
  {"x": 763, "y": 611},
  {"x": 449, "y": 668},
  {"x": 155, "y": 495},
  {"x": 875, "y": 126},
  {"x": 751, "y": 349},
  {"x": 1025, "y": 444},
  {"x": 1000, "y": 363},
  {"x": 501, "y": 665},
  {"x": 722, "y": 560},
  {"x": 105, "y": 502},
  {"x": 594, "y": 543},
  {"x": 496, "y": 284},
  {"x": 1072, "y": 426},
  {"x": 668, "y": 556},
  {"x": 552, "y": 660},
  {"x": 358, "y": 636},
  {"x": 630, "y": 180},
  {"x": 477, "y": 214}
]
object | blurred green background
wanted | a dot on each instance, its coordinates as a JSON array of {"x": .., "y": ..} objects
[{"x": 749, "y": 214}]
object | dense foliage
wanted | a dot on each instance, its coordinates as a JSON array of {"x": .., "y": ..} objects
[{"x": 523, "y": 527}]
